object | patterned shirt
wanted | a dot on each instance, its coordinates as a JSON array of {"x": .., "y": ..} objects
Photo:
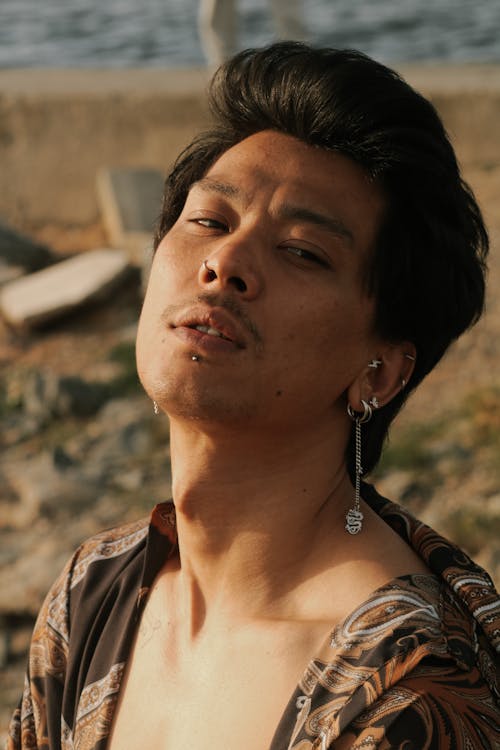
[{"x": 415, "y": 666}]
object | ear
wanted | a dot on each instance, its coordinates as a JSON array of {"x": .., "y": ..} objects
[{"x": 384, "y": 377}]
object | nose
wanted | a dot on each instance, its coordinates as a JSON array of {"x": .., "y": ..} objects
[{"x": 232, "y": 267}]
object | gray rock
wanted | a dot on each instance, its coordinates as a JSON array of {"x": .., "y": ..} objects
[
  {"x": 130, "y": 204},
  {"x": 5, "y": 642},
  {"x": 37, "y": 556},
  {"x": 17, "y": 427},
  {"x": 121, "y": 440},
  {"x": 79, "y": 397},
  {"x": 47, "y": 395},
  {"x": 121, "y": 412},
  {"x": 9, "y": 273},
  {"x": 62, "y": 459},
  {"x": 119, "y": 446},
  {"x": 40, "y": 395},
  {"x": 44, "y": 489},
  {"x": 129, "y": 481},
  {"x": 46, "y": 295},
  {"x": 18, "y": 250}
]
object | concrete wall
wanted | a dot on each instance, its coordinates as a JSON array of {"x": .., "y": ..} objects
[
  {"x": 468, "y": 99},
  {"x": 57, "y": 127}
]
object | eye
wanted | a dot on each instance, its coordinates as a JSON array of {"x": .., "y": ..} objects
[
  {"x": 208, "y": 223},
  {"x": 211, "y": 223},
  {"x": 308, "y": 256}
]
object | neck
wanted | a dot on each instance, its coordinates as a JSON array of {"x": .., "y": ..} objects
[{"x": 255, "y": 518}]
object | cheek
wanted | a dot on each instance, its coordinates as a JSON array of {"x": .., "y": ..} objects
[
  {"x": 149, "y": 331},
  {"x": 329, "y": 339},
  {"x": 164, "y": 281},
  {"x": 144, "y": 345}
]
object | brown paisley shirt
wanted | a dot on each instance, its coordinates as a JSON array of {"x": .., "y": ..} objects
[{"x": 415, "y": 667}]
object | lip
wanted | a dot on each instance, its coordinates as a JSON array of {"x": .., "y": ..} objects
[{"x": 232, "y": 334}]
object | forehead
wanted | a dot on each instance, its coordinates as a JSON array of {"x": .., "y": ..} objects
[{"x": 284, "y": 154}]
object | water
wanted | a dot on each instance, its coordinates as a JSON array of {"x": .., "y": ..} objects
[{"x": 121, "y": 33}]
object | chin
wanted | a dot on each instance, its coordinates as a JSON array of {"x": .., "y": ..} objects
[{"x": 186, "y": 398}]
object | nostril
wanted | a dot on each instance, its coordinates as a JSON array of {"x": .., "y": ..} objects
[
  {"x": 238, "y": 283},
  {"x": 211, "y": 274}
]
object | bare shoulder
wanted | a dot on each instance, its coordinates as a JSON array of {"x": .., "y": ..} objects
[{"x": 355, "y": 568}]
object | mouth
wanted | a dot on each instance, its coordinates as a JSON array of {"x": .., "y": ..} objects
[
  {"x": 214, "y": 324},
  {"x": 210, "y": 331}
]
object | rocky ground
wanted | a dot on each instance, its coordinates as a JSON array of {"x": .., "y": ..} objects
[{"x": 82, "y": 450}]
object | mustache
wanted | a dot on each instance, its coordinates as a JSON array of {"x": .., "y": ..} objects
[{"x": 217, "y": 300}]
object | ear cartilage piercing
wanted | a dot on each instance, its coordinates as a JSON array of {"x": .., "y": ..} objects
[
  {"x": 156, "y": 408},
  {"x": 410, "y": 357},
  {"x": 195, "y": 358},
  {"x": 375, "y": 363}
]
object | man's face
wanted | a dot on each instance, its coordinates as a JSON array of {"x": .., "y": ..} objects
[{"x": 286, "y": 231}]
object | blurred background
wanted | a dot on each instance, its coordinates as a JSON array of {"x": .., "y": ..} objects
[
  {"x": 125, "y": 33},
  {"x": 97, "y": 97}
]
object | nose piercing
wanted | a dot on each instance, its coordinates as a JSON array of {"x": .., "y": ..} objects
[
  {"x": 195, "y": 358},
  {"x": 211, "y": 273}
]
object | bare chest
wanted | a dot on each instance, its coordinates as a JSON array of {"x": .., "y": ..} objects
[{"x": 230, "y": 694}]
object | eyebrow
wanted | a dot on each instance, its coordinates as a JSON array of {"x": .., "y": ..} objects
[
  {"x": 287, "y": 211},
  {"x": 209, "y": 185},
  {"x": 332, "y": 225}
]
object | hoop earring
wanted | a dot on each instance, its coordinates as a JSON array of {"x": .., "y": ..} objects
[{"x": 354, "y": 516}]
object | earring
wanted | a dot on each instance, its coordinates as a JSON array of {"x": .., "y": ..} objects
[
  {"x": 375, "y": 363},
  {"x": 156, "y": 408},
  {"x": 354, "y": 516},
  {"x": 374, "y": 402}
]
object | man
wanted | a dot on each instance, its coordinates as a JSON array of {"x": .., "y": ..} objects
[{"x": 316, "y": 255}]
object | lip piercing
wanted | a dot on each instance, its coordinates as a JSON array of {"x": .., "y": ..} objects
[{"x": 375, "y": 363}]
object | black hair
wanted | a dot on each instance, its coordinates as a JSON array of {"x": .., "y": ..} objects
[{"x": 427, "y": 273}]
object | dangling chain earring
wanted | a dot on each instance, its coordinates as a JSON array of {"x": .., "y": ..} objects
[
  {"x": 156, "y": 408},
  {"x": 354, "y": 516}
]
